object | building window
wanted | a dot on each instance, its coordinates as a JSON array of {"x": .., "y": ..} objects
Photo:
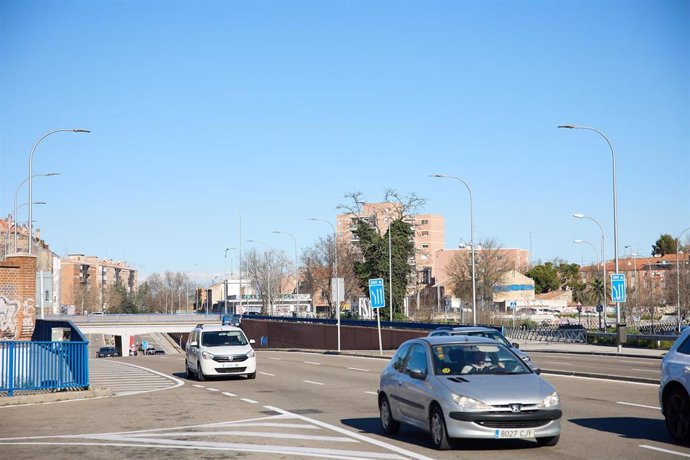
[
  {"x": 425, "y": 246},
  {"x": 424, "y": 233},
  {"x": 425, "y": 222}
]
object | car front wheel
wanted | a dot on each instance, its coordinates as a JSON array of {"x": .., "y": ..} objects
[
  {"x": 190, "y": 374},
  {"x": 389, "y": 425},
  {"x": 199, "y": 372},
  {"x": 677, "y": 412},
  {"x": 439, "y": 434}
]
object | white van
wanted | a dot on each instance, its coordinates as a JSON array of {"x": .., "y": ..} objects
[{"x": 215, "y": 350}]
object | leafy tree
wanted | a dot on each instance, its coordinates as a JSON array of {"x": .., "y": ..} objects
[
  {"x": 545, "y": 278},
  {"x": 666, "y": 244}
]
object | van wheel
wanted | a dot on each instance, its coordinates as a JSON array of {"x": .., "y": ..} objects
[
  {"x": 199, "y": 373},
  {"x": 190, "y": 374}
]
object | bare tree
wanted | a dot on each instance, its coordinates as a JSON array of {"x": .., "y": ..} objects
[
  {"x": 404, "y": 206},
  {"x": 268, "y": 272},
  {"x": 318, "y": 261}
]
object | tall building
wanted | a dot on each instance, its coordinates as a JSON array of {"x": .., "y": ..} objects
[{"x": 85, "y": 281}]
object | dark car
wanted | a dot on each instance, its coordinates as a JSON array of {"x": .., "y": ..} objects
[{"x": 105, "y": 352}]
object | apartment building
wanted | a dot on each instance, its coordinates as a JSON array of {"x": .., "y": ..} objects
[
  {"x": 429, "y": 231},
  {"x": 85, "y": 281}
]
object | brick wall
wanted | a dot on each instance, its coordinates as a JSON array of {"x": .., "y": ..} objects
[{"x": 17, "y": 297}]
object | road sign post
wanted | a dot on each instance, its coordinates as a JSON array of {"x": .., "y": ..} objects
[{"x": 377, "y": 299}]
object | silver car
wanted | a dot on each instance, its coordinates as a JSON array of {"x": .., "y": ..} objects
[
  {"x": 467, "y": 387},
  {"x": 482, "y": 331},
  {"x": 675, "y": 387}
]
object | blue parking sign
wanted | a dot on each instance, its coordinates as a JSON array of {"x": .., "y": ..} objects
[
  {"x": 618, "y": 287},
  {"x": 376, "y": 294}
]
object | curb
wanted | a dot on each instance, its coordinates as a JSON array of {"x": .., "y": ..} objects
[
  {"x": 620, "y": 378},
  {"x": 60, "y": 396},
  {"x": 593, "y": 353}
]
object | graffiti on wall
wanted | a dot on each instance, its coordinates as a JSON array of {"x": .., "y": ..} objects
[{"x": 16, "y": 321}]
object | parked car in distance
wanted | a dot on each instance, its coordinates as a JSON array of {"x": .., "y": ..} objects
[
  {"x": 481, "y": 331},
  {"x": 674, "y": 388},
  {"x": 215, "y": 350},
  {"x": 467, "y": 387},
  {"x": 154, "y": 351},
  {"x": 105, "y": 352}
]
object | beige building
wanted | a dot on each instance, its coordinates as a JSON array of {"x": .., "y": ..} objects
[
  {"x": 85, "y": 281},
  {"x": 429, "y": 230}
]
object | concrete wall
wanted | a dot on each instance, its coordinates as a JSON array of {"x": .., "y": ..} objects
[{"x": 17, "y": 297}]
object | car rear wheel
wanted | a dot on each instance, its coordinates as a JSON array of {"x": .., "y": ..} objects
[
  {"x": 677, "y": 413},
  {"x": 199, "y": 372},
  {"x": 437, "y": 426},
  {"x": 389, "y": 425},
  {"x": 548, "y": 441}
]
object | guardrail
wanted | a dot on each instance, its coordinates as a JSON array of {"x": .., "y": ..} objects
[
  {"x": 31, "y": 366},
  {"x": 547, "y": 334}
]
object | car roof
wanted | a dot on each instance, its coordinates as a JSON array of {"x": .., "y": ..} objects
[
  {"x": 446, "y": 339},
  {"x": 216, "y": 327},
  {"x": 474, "y": 329}
]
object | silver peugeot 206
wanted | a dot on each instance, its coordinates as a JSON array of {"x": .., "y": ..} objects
[{"x": 467, "y": 387}]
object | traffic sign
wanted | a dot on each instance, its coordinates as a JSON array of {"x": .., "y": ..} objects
[
  {"x": 376, "y": 294},
  {"x": 618, "y": 287},
  {"x": 600, "y": 308}
]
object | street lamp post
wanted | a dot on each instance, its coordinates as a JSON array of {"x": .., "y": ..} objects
[
  {"x": 14, "y": 216},
  {"x": 335, "y": 271},
  {"x": 268, "y": 276},
  {"x": 579, "y": 215},
  {"x": 225, "y": 279},
  {"x": 390, "y": 266},
  {"x": 615, "y": 214},
  {"x": 296, "y": 264},
  {"x": 678, "y": 274},
  {"x": 31, "y": 158},
  {"x": 474, "y": 283},
  {"x": 438, "y": 286},
  {"x": 596, "y": 258}
]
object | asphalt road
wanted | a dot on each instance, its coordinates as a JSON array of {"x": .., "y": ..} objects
[
  {"x": 617, "y": 366},
  {"x": 314, "y": 405}
]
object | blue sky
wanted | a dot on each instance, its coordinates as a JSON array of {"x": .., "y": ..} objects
[{"x": 273, "y": 110}]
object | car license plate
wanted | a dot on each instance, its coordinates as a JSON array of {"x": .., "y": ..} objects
[
  {"x": 514, "y": 433},
  {"x": 231, "y": 365}
]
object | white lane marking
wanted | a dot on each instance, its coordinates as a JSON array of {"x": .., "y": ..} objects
[
  {"x": 357, "y": 436},
  {"x": 304, "y": 426},
  {"x": 371, "y": 393},
  {"x": 601, "y": 380},
  {"x": 313, "y": 383},
  {"x": 250, "y": 401},
  {"x": 212, "y": 389},
  {"x": 358, "y": 369},
  {"x": 266, "y": 373},
  {"x": 646, "y": 370},
  {"x": 232, "y": 395},
  {"x": 636, "y": 361},
  {"x": 275, "y": 359},
  {"x": 638, "y": 405},
  {"x": 199, "y": 386},
  {"x": 178, "y": 382},
  {"x": 260, "y": 434},
  {"x": 666, "y": 451},
  {"x": 312, "y": 362},
  {"x": 558, "y": 362}
]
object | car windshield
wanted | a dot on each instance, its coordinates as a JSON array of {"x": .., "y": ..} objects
[
  {"x": 223, "y": 338},
  {"x": 466, "y": 358}
]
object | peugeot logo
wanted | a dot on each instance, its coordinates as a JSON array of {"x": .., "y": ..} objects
[
  {"x": 230, "y": 359},
  {"x": 516, "y": 407}
]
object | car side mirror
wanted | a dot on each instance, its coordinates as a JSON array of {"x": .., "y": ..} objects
[
  {"x": 516, "y": 345},
  {"x": 537, "y": 370},
  {"x": 416, "y": 374},
  {"x": 193, "y": 344},
  {"x": 252, "y": 341}
]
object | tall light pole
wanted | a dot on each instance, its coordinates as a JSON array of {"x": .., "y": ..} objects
[
  {"x": 579, "y": 215},
  {"x": 474, "y": 282},
  {"x": 296, "y": 264},
  {"x": 390, "y": 265},
  {"x": 438, "y": 287},
  {"x": 335, "y": 271},
  {"x": 225, "y": 280},
  {"x": 268, "y": 276},
  {"x": 14, "y": 216},
  {"x": 31, "y": 159},
  {"x": 615, "y": 213},
  {"x": 678, "y": 273}
]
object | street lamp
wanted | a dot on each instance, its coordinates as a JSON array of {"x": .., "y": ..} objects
[
  {"x": 268, "y": 276},
  {"x": 678, "y": 273},
  {"x": 579, "y": 215},
  {"x": 438, "y": 286},
  {"x": 615, "y": 213},
  {"x": 14, "y": 216},
  {"x": 474, "y": 283},
  {"x": 225, "y": 280},
  {"x": 296, "y": 263},
  {"x": 335, "y": 271},
  {"x": 31, "y": 158}
]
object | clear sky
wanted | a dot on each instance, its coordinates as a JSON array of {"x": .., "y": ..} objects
[{"x": 202, "y": 111}]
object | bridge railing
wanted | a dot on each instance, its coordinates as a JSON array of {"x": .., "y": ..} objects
[
  {"x": 547, "y": 334},
  {"x": 32, "y": 366}
]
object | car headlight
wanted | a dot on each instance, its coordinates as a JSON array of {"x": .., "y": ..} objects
[
  {"x": 469, "y": 403},
  {"x": 550, "y": 401},
  {"x": 251, "y": 354},
  {"x": 206, "y": 355}
]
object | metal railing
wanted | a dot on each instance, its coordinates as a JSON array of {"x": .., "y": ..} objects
[
  {"x": 547, "y": 334},
  {"x": 43, "y": 366}
]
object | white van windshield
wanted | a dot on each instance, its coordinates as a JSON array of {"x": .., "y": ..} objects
[{"x": 223, "y": 338}]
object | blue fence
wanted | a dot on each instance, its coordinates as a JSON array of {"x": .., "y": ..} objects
[{"x": 43, "y": 365}]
